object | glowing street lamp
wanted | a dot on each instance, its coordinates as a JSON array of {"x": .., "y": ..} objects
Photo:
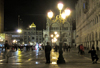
[
  {"x": 59, "y": 17},
  {"x": 67, "y": 12},
  {"x": 60, "y": 6},
  {"x": 50, "y": 14},
  {"x": 19, "y": 30}
]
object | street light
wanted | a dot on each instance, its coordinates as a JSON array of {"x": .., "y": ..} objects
[
  {"x": 54, "y": 37},
  {"x": 19, "y": 30},
  {"x": 60, "y": 17}
]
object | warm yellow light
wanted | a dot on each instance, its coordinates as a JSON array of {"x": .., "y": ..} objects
[
  {"x": 14, "y": 41},
  {"x": 19, "y": 30},
  {"x": 67, "y": 12},
  {"x": 60, "y": 6},
  {"x": 63, "y": 15},
  {"x": 51, "y": 35},
  {"x": 52, "y": 40},
  {"x": 55, "y": 32},
  {"x": 57, "y": 35},
  {"x": 50, "y": 14},
  {"x": 30, "y": 26},
  {"x": 55, "y": 39}
]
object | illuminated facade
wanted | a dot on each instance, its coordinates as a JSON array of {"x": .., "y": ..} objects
[
  {"x": 88, "y": 23},
  {"x": 31, "y": 35},
  {"x": 3, "y": 37},
  {"x": 1, "y": 16},
  {"x": 66, "y": 31}
]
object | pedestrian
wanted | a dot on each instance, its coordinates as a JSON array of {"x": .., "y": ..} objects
[
  {"x": 16, "y": 46},
  {"x": 81, "y": 49},
  {"x": 94, "y": 56},
  {"x": 69, "y": 48},
  {"x": 7, "y": 50},
  {"x": 47, "y": 52},
  {"x": 78, "y": 49}
]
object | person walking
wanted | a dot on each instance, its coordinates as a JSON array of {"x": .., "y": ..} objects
[
  {"x": 69, "y": 48},
  {"x": 93, "y": 55},
  {"x": 7, "y": 50},
  {"x": 47, "y": 52},
  {"x": 78, "y": 49},
  {"x": 81, "y": 49}
]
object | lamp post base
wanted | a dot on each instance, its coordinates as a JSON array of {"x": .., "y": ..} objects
[{"x": 60, "y": 59}]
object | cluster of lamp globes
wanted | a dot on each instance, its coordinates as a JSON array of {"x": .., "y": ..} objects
[
  {"x": 60, "y": 7},
  {"x": 54, "y": 36}
]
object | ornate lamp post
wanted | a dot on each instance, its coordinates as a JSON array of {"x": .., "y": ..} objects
[{"x": 61, "y": 17}]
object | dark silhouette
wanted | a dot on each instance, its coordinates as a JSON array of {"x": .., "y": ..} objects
[
  {"x": 47, "y": 52},
  {"x": 81, "y": 49},
  {"x": 7, "y": 50},
  {"x": 65, "y": 47},
  {"x": 69, "y": 48},
  {"x": 56, "y": 47},
  {"x": 93, "y": 46},
  {"x": 93, "y": 55}
]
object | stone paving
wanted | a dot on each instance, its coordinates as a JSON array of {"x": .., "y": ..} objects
[{"x": 35, "y": 59}]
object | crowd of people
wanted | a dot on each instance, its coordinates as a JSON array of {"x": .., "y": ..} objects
[{"x": 47, "y": 48}]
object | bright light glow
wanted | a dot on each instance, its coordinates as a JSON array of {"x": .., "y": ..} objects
[
  {"x": 67, "y": 12},
  {"x": 19, "y": 30},
  {"x": 54, "y": 63},
  {"x": 30, "y": 26},
  {"x": 57, "y": 35},
  {"x": 36, "y": 62},
  {"x": 55, "y": 32},
  {"x": 55, "y": 39},
  {"x": 51, "y": 35},
  {"x": 14, "y": 41},
  {"x": 63, "y": 15},
  {"x": 50, "y": 14},
  {"x": 54, "y": 57},
  {"x": 1, "y": 60},
  {"x": 60, "y": 6}
]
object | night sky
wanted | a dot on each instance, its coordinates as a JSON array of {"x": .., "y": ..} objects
[{"x": 31, "y": 11}]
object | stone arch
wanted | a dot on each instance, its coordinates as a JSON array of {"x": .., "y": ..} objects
[
  {"x": 65, "y": 40},
  {"x": 65, "y": 34}
]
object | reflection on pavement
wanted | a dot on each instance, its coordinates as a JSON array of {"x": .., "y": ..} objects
[{"x": 36, "y": 62}]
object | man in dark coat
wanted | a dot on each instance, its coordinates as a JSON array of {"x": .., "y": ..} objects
[
  {"x": 47, "y": 52},
  {"x": 93, "y": 55},
  {"x": 7, "y": 50}
]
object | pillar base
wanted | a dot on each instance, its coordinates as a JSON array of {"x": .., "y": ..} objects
[{"x": 60, "y": 59}]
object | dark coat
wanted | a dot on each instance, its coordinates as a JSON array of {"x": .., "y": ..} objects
[
  {"x": 93, "y": 52},
  {"x": 47, "y": 49}
]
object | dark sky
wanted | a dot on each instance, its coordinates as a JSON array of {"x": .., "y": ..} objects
[{"x": 31, "y": 11}]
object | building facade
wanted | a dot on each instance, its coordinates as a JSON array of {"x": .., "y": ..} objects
[
  {"x": 64, "y": 31},
  {"x": 32, "y": 36},
  {"x": 4, "y": 37},
  {"x": 1, "y": 16},
  {"x": 87, "y": 23},
  {"x": 29, "y": 36}
]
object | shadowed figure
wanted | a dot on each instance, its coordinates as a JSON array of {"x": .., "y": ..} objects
[{"x": 47, "y": 52}]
